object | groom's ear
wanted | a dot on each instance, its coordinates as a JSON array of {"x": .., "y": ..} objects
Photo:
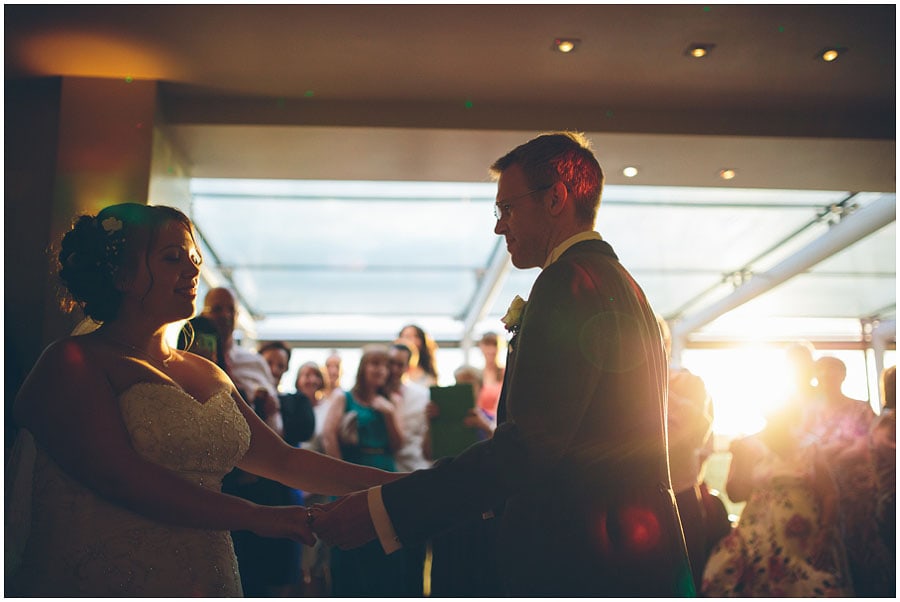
[{"x": 559, "y": 198}]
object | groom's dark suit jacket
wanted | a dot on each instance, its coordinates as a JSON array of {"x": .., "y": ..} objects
[{"x": 579, "y": 463}]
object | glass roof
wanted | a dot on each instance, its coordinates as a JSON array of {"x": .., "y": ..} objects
[{"x": 335, "y": 261}]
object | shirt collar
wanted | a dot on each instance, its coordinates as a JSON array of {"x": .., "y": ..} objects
[{"x": 572, "y": 240}]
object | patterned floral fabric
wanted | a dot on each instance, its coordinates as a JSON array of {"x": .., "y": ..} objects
[
  {"x": 773, "y": 551},
  {"x": 81, "y": 545}
]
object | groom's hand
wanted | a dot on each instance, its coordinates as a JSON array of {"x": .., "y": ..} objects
[{"x": 344, "y": 523}]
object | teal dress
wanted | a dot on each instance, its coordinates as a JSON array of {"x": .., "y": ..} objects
[
  {"x": 373, "y": 449},
  {"x": 367, "y": 571}
]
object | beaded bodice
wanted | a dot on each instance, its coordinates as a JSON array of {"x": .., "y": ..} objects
[
  {"x": 202, "y": 442},
  {"x": 81, "y": 544}
]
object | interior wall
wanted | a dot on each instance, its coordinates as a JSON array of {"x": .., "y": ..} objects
[
  {"x": 32, "y": 129},
  {"x": 73, "y": 146}
]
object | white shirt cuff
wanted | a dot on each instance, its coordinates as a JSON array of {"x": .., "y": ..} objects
[{"x": 383, "y": 525}]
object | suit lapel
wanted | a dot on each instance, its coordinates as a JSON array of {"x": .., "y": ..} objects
[{"x": 599, "y": 246}]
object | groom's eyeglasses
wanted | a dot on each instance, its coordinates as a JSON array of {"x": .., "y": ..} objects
[{"x": 503, "y": 208}]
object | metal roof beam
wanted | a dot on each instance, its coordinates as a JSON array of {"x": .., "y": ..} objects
[
  {"x": 848, "y": 231},
  {"x": 484, "y": 295}
]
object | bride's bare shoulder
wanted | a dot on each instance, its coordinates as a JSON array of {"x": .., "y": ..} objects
[
  {"x": 67, "y": 353},
  {"x": 68, "y": 368}
]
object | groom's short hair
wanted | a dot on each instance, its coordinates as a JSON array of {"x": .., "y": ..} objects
[{"x": 559, "y": 156}]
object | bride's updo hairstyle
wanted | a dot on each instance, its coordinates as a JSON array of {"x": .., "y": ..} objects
[{"x": 100, "y": 251}]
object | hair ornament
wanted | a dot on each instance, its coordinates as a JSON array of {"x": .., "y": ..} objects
[
  {"x": 113, "y": 228},
  {"x": 111, "y": 224}
]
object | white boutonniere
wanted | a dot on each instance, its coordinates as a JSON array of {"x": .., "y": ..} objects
[{"x": 513, "y": 318}]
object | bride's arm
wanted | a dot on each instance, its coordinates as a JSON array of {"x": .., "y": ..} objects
[
  {"x": 71, "y": 409},
  {"x": 269, "y": 456}
]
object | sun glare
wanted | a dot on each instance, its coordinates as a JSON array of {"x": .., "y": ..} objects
[{"x": 745, "y": 384}]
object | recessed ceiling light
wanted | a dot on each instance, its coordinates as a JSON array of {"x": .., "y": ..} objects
[
  {"x": 727, "y": 174},
  {"x": 630, "y": 172},
  {"x": 698, "y": 51},
  {"x": 565, "y": 45},
  {"x": 831, "y": 54}
]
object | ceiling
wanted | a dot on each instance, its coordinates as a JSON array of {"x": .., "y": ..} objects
[{"x": 409, "y": 93}]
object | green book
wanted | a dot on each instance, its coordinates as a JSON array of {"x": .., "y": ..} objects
[{"x": 449, "y": 436}]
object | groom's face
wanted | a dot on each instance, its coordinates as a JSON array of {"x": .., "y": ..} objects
[{"x": 523, "y": 218}]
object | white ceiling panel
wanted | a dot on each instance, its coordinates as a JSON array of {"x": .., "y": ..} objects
[{"x": 311, "y": 252}]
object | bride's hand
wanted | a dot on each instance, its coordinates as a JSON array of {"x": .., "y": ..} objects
[{"x": 284, "y": 522}]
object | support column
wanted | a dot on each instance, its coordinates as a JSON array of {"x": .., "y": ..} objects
[{"x": 73, "y": 146}]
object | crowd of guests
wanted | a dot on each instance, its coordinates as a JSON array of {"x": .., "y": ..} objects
[
  {"x": 819, "y": 487},
  {"x": 818, "y": 481},
  {"x": 381, "y": 420}
]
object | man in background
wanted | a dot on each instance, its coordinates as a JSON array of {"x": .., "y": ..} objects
[
  {"x": 413, "y": 400},
  {"x": 247, "y": 369}
]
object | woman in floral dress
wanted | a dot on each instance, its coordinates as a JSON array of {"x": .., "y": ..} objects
[
  {"x": 785, "y": 544},
  {"x": 841, "y": 428}
]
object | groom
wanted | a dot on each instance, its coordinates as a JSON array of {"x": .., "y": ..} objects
[{"x": 577, "y": 472}]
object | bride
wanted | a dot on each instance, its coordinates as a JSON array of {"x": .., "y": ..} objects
[{"x": 124, "y": 440}]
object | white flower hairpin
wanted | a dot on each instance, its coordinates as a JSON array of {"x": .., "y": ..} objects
[{"x": 111, "y": 224}]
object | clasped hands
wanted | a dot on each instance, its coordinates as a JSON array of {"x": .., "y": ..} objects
[{"x": 344, "y": 523}]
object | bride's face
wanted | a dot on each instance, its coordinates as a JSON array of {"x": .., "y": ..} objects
[{"x": 164, "y": 283}]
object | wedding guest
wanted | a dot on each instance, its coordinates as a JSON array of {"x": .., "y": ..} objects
[
  {"x": 334, "y": 372},
  {"x": 312, "y": 384},
  {"x": 272, "y": 567},
  {"x": 884, "y": 458},
  {"x": 125, "y": 440},
  {"x": 579, "y": 461},
  {"x": 316, "y": 561},
  {"x": 690, "y": 419},
  {"x": 786, "y": 542},
  {"x": 841, "y": 427},
  {"x": 370, "y": 438},
  {"x": 199, "y": 335},
  {"x": 479, "y": 418},
  {"x": 266, "y": 565},
  {"x": 801, "y": 370},
  {"x": 491, "y": 375},
  {"x": 476, "y": 418},
  {"x": 463, "y": 559},
  {"x": 837, "y": 421},
  {"x": 245, "y": 367},
  {"x": 278, "y": 356},
  {"x": 413, "y": 399},
  {"x": 423, "y": 372},
  {"x": 297, "y": 416}
]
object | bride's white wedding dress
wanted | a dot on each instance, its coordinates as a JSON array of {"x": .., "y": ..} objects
[{"x": 81, "y": 545}]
